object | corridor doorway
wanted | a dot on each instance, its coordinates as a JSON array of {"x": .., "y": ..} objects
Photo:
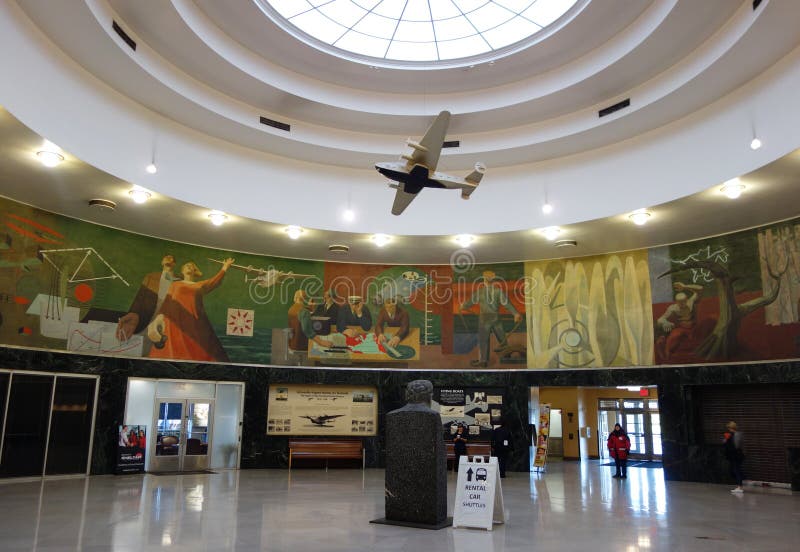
[{"x": 641, "y": 420}]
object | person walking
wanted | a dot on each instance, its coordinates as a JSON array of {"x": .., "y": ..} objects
[
  {"x": 735, "y": 454},
  {"x": 459, "y": 446},
  {"x": 501, "y": 446},
  {"x": 619, "y": 445}
]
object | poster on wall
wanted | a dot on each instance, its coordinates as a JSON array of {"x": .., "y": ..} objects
[
  {"x": 540, "y": 459},
  {"x": 295, "y": 409},
  {"x": 478, "y": 409},
  {"x": 131, "y": 448}
]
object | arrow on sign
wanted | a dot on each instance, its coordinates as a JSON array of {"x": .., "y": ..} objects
[{"x": 469, "y": 474}]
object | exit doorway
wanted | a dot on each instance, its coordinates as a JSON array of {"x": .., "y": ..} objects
[
  {"x": 641, "y": 420},
  {"x": 182, "y": 435}
]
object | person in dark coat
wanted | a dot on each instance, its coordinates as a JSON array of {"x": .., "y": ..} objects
[
  {"x": 459, "y": 446},
  {"x": 619, "y": 445},
  {"x": 501, "y": 446},
  {"x": 735, "y": 455}
]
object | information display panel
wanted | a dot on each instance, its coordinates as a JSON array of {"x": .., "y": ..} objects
[{"x": 332, "y": 410}]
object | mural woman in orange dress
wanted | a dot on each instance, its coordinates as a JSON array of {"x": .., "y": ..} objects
[{"x": 181, "y": 330}]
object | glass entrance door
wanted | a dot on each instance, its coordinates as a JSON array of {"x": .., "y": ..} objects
[
  {"x": 641, "y": 421},
  {"x": 182, "y": 435}
]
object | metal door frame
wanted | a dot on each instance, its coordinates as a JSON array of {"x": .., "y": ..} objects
[{"x": 180, "y": 463}]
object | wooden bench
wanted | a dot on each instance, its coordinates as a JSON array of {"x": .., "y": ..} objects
[
  {"x": 326, "y": 449},
  {"x": 473, "y": 449}
]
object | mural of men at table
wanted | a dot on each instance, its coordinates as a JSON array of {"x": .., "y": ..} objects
[
  {"x": 181, "y": 329},
  {"x": 393, "y": 316}
]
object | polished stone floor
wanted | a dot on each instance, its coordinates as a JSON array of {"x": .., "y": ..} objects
[{"x": 571, "y": 507}]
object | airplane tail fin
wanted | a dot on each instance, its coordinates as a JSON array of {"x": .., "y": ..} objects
[{"x": 473, "y": 178}]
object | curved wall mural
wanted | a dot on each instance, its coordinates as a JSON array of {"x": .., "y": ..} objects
[{"x": 71, "y": 285}]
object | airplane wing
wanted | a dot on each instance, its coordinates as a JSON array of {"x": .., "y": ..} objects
[
  {"x": 431, "y": 144},
  {"x": 401, "y": 201}
]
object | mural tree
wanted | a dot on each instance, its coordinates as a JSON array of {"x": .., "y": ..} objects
[{"x": 722, "y": 343}]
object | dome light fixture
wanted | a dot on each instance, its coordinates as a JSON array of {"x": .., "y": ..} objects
[
  {"x": 547, "y": 208},
  {"x": 49, "y": 158},
  {"x": 381, "y": 239},
  {"x": 349, "y": 215},
  {"x": 294, "y": 232},
  {"x": 640, "y": 217},
  {"x": 733, "y": 188},
  {"x": 464, "y": 240},
  {"x": 139, "y": 194},
  {"x": 151, "y": 168},
  {"x": 551, "y": 232},
  {"x": 217, "y": 218},
  {"x": 755, "y": 144}
]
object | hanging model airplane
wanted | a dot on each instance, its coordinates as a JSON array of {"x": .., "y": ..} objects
[{"x": 418, "y": 170}]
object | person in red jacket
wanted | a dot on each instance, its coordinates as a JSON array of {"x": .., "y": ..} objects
[{"x": 619, "y": 445}]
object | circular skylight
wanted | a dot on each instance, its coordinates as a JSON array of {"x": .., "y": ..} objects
[{"x": 419, "y": 30}]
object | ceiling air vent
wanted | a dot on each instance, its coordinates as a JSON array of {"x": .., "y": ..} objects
[
  {"x": 451, "y": 144},
  {"x": 123, "y": 35},
  {"x": 338, "y": 248},
  {"x": 565, "y": 243},
  {"x": 616, "y": 107},
  {"x": 275, "y": 124},
  {"x": 103, "y": 204}
]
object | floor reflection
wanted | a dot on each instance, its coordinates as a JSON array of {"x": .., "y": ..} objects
[{"x": 570, "y": 506}]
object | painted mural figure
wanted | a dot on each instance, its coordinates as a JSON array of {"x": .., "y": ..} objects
[
  {"x": 489, "y": 297},
  {"x": 680, "y": 318},
  {"x": 393, "y": 316},
  {"x": 299, "y": 317},
  {"x": 354, "y": 319},
  {"x": 329, "y": 307},
  {"x": 148, "y": 300},
  {"x": 181, "y": 329}
]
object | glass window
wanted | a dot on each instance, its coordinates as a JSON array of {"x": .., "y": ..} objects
[
  {"x": 71, "y": 425},
  {"x": 418, "y": 30}
]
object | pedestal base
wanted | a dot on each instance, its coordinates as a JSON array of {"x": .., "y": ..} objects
[{"x": 383, "y": 521}]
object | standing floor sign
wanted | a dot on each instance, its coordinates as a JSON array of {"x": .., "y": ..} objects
[
  {"x": 540, "y": 459},
  {"x": 479, "y": 494}
]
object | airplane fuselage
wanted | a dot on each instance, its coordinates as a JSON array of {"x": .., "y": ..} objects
[{"x": 418, "y": 177}]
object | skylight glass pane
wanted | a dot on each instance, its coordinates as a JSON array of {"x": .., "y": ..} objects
[
  {"x": 450, "y": 29},
  {"x": 510, "y": 32},
  {"x": 544, "y": 13},
  {"x": 411, "y": 31},
  {"x": 464, "y": 47},
  {"x": 318, "y": 26},
  {"x": 408, "y": 30},
  {"x": 409, "y": 51},
  {"x": 489, "y": 16},
  {"x": 290, "y": 8},
  {"x": 444, "y": 9},
  {"x": 362, "y": 44},
  {"x": 467, "y": 6},
  {"x": 391, "y": 8},
  {"x": 375, "y": 25},
  {"x": 417, "y": 10},
  {"x": 344, "y": 12},
  {"x": 516, "y": 6}
]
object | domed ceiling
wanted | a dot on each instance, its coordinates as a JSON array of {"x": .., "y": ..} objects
[{"x": 243, "y": 116}]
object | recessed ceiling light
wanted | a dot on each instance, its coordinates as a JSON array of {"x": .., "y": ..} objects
[
  {"x": 49, "y": 158},
  {"x": 349, "y": 215},
  {"x": 464, "y": 240},
  {"x": 151, "y": 168},
  {"x": 755, "y": 144},
  {"x": 217, "y": 218},
  {"x": 551, "y": 232},
  {"x": 293, "y": 232},
  {"x": 732, "y": 188},
  {"x": 139, "y": 195},
  {"x": 381, "y": 239},
  {"x": 547, "y": 208},
  {"x": 640, "y": 217}
]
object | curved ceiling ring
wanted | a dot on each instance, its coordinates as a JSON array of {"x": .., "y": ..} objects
[
  {"x": 520, "y": 92},
  {"x": 320, "y": 141}
]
